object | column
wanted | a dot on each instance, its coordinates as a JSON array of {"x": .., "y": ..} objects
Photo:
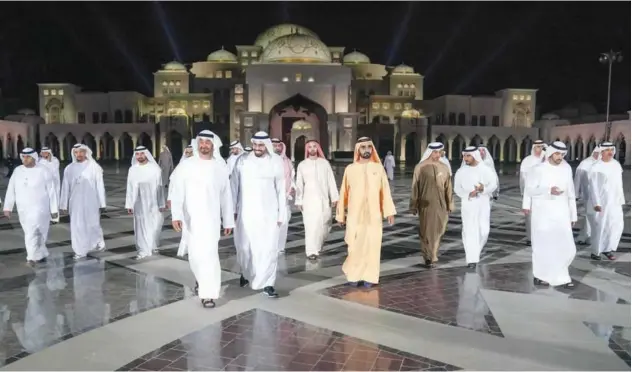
[
  {"x": 134, "y": 140},
  {"x": 402, "y": 148},
  {"x": 97, "y": 139},
  {"x": 62, "y": 153},
  {"x": 519, "y": 152},
  {"x": 153, "y": 148},
  {"x": 502, "y": 151},
  {"x": 163, "y": 140},
  {"x": 450, "y": 148},
  {"x": 116, "y": 148}
]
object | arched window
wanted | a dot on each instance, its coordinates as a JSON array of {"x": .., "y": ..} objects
[
  {"x": 95, "y": 118},
  {"x": 118, "y": 116},
  {"x": 129, "y": 116},
  {"x": 104, "y": 117},
  {"x": 474, "y": 121},
  {"x": 461, "y": 119}
]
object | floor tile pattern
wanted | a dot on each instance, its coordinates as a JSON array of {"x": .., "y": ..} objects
[
  {"x": 618, "y": 338},
  {"x": 261, "y": 341}
]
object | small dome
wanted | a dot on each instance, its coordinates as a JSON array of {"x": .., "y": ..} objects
[
  {"x": 174, "y": 66},
  {"x": 26, "y": 111},
  {"x": 412, "y": 113},
  {"x": 550, "y": 116},
  {"x": 275, "y": 32},
  {"x": 403, "y": 69},
  {"x": 355, "y": 57},
  {"x": 296, "y": 48},
  {"x": 222, "y": 55}
]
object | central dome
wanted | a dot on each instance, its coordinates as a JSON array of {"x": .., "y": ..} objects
[
  {"x": 275, "y": 32},
  {"x": 296, "y": 48},
  {"x": 222, "y": 55}
]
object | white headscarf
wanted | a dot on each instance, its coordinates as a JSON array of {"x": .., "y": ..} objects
[
  {"x": 544, "y": 147},
  {"x": 247, "y": 149},
  {"x": 217, "y": 143},
  {"x": 81, "y": 146},
  {"x": 432, "y": 146},
  {"x": 27, "y": 151},
  {"x": 48, "y": 150},
  {"x": 263, "y": 137},
  {"x": 556, "y": 147},
  {"x": 236, "y": 144},
  {"x": 144, "y": 150},
  {"x": 472, "y": 150},
  {"x": 165, "y": 148},
  {"x": 606, "y": 146}
]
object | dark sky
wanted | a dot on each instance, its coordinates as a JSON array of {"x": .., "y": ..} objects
[{"x": 460, "y": 47}]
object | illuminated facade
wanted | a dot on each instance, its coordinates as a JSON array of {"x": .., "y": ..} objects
[{"x": 288, "y": 75}]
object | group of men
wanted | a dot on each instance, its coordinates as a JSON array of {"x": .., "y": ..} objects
[{"x": 251, "y": 194}]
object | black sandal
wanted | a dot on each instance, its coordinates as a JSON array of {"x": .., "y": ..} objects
[
  {"x": 312, "y": 257},
  {"x": 208, "y": 304},
  {"x": 196, "y": 288},
  {"x": 537, "y": 281},
  {"x": 570, "y": 285}
]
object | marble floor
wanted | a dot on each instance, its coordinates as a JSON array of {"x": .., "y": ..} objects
[{"x": 110, "y": 312}]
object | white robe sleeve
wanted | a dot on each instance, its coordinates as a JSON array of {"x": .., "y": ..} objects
[
  {"x": 334, "y": 196},
  {"x": 459, "y": 190},
  {"x": 176, "y": 196},
  {"x": 235, "y": 184},
  {"x": 100, "y": 188},
  {"x": 572, "y": 205},
  {"x": 533, "y": 187},
  {"x": 597, "y": 182},
  {"x": 300, "y": 185},
  {"x": 130, "y": 193},
  {"x": 9, "y": 197},
  {"x": 279, "y": 182},
  {"x": 491, "y": 182},
  {"x": 577, "y": 182},
  {"x": 226, "y": 203},
  {"x": 65, "y": 191},
  {"x": 52, "y": 193},
  {"x": 161, "y": 189}
]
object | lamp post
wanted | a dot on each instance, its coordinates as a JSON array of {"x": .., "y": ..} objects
[{"x": 609, "y": 58}]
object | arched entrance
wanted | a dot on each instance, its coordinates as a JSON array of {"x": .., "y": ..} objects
[
  {"x": 579, "y": 148},
  {"x": 299, "y": 108},
  {"x": 126, "y": 147},
  {"x": 52, "y": 143},
  {"x": 145, "y": 140},
  {"x": 493, "y": 145},
  {"x": 69, "y": 142},
  {"x": 458, "y": 145},
  {"x": 20, "y": 144},
  {"x": 88, "y": 140},
  {"x": 411, "y": 148},
  {"x": 525, "y": 147},
  {"x": 299, "y": 149},
  {"x": 476, "y": 141},
  {"x": 107, "y": 146},
  {"x": 175, "y": 145}
]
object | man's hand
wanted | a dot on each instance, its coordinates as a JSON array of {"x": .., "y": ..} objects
[
  {"x": 391, "y": 220},
  {"x": 341, "y": 224},
  {"x": 526, "y": 212},
  {"x": 177, "y": 225},
  {"x": 556, "y": 191},
  {"x": 480, "y": 187},
  {"x": 474, "y": 193},
  {"x": 131, "y": 211},
  {"x": 597, "y": 208},
  {"x": 7, "y": 214},
  {"x": 227, "y": 232}
]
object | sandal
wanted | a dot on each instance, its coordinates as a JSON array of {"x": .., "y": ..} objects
[
  {"x": 196, "y": 288},
  {"x": 570, "y": 285},
  {"x": 208, "y": 304},
  {"x": 537, "y": 281}
]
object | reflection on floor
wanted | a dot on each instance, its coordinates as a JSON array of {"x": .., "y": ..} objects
[
  {"x": 261, "y": 341},
  {"x": 482, "y": 315}
]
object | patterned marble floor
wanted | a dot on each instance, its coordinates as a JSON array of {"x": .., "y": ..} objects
[{"x": 113, "y": 313}]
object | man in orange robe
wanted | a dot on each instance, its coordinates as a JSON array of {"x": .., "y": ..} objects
[{"x": 366, "y": 195}]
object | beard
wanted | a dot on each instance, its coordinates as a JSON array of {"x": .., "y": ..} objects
[
  {"x": 366, "y": 155},
  {"x": 313, "y": 152}
]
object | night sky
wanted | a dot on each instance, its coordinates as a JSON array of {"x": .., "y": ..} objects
[{"x": 460, "y": 47}]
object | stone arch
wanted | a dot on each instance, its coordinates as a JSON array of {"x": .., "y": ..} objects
[
  {"x": 525, "y": 147},
  {"x": 145, "y": 140},
  {"x": 107, "y": 146},
  {"x": 579, "y": 148},
  {"x": 299, "y": 148},
  {"x": 458, "y": 144},
  {"x": 299, "y": 107},
  {"x": 69, "y": 141},
  {"x": 476, "y": 141},
  {"x": 88, "y": 140},
  {"x": 126, "y": 146},
  {"x": 569, "y": 147},
  {"x": 19, "y": 144},
  {"x": 510, "y": 150},
  {"x": 592, "y": 143},
  {"x": 52, "y": 142},
  {"x": 442, "y": 138},
  {"x": 493, "y": 145}
]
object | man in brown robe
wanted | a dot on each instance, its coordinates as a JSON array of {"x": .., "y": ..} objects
[
  {"x": 366, "y": 195},
  {"x": 431, "y": 200}
]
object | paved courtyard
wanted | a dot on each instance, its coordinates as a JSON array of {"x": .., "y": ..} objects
[{"x": 110, "y": 312}]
